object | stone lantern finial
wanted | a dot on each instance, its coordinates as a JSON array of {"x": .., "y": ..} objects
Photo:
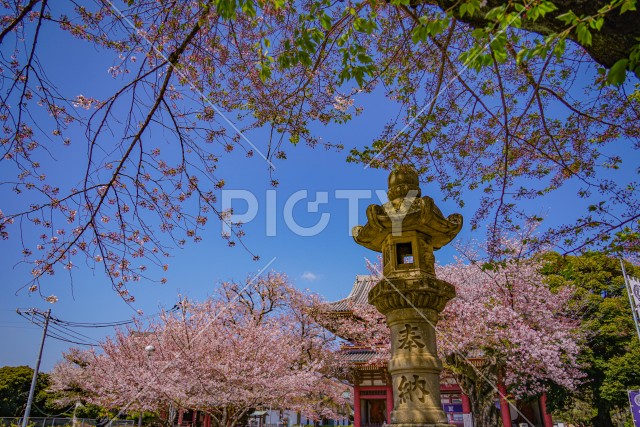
[{"x": 402, "y": 181}]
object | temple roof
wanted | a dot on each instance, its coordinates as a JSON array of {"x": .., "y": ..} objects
[
  {"x": 359, "y": 294},
  {"x": 357, "y": 355}
]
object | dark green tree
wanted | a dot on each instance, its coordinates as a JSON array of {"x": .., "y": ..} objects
[
  {"x": 611, "y": 355},
  {"x": 15, "y": 382}
]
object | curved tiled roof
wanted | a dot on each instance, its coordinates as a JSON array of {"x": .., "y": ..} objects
[
  {"x": 357, "y": 355},
  {"x": 359, "y": 294}
]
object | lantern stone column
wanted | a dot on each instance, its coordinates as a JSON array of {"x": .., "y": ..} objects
[{"x": 407, "y": 230}]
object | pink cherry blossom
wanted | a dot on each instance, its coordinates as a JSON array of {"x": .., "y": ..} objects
[{"x": 251, "y": 344}]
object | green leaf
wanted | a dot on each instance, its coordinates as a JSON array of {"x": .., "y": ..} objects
[
  {"x": 226, "y": 9},
  {"x": 305, "y": 59},
  {"x": 463, "y": 9},
  {"x": 568, "y": 18},
  {"x": 487, "y": 266},
  {"x": 369, "y": 25},
  {"x": 359, "y": 79},
  {"x": 364, "y": 58},
  {"x": 546, "y": 7},
  {"x": 583, "y": 33},
  {"x": 265, "y": 72},
  {"x": 469, "y": 7},
  {"x": 559, "y": 48},
  {"x": 496, "y": 13},
  {"x": 540, "y": 10},
  {"x": 325, "y": 21},
  {"x": 248, "y": 8},
  {"x": 618, "y": 72},
  {"x": 628, "y": 5},
  {"x": 479, "y": 33},
  {"x": 437, "y": 26},
  {"x": 419, "y": 33},
  {"x": 500, "y": 55}
]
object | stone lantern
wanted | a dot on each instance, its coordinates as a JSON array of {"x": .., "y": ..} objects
[{"x": 407, "y": 230}]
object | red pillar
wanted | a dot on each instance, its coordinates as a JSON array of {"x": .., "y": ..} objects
[
  {"x": 180, "y": 413},
  {"x": 547, "y": 421},
  {"x": 505, "y": 414},
  {"x": 389, "y": 403},
  {"x": 466, "y": 407},
  {"x": 466, "y": 404},
  {"x": 356, "y": 406}
]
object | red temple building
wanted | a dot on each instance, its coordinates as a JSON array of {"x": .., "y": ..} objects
[{"x": 373, "y": 396}]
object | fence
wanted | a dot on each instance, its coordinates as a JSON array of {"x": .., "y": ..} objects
[{"x": 60, "y": 422}]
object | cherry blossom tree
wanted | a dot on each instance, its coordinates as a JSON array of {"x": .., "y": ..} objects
[
  {"x": 250, "y": 345},
  {"x": 486, "y": 107},
  {"x": 70, "y": 376},
  {"x": 523, "y": 334}
]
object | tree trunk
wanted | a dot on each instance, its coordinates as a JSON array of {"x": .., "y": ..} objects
[
  {"x": 603, "y": 419},
  {"x": 225, "y": 418},
  {"x": 485, "y": 413},
  {"x": 231, "y": 416},
  {"x": 480, "y": 390},
  {"x": 171, "y": 416}
]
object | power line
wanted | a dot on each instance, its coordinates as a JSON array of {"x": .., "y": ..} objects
[
  {"x": 71, "y": 332},
  {"x": 64, "y": 330},
  {"x": 69, "y": 336},
  {"x": 55, "y": 331},
  {"x": 94, "y": 324},
  {"x": 105, "y": 324}
]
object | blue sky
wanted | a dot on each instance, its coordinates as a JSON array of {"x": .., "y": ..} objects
[{"x": 325, "y": 263}]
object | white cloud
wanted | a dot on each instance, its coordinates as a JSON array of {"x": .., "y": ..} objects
[{"x": 309, "y": 276}]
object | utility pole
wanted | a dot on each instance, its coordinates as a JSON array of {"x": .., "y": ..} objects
[{"x": 32, "y": 390}]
